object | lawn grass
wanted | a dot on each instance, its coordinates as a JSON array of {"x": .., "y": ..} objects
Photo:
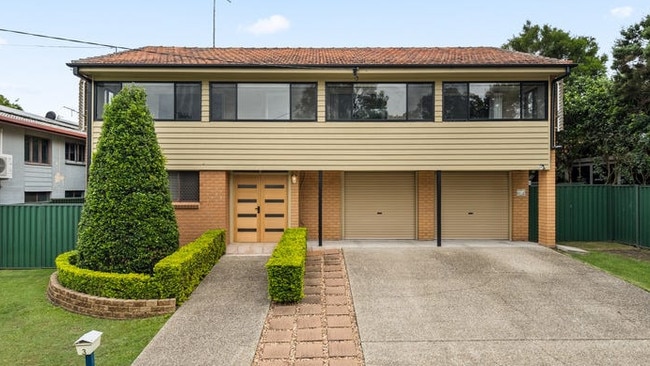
[
  {"x": 635, "y": 271},
  {"x": 35, "y": 332}
]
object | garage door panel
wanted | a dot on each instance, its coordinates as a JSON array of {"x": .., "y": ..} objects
[
  {"x": 379, "y": 205},
  {"x": 475, "y": 205}
]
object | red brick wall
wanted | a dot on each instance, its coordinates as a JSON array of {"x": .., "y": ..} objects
[
  {"x": 426, "y": 205},
  {"x": 103, "y": 307},
  {"x": 546, "y": 223},
  {"x": 519, "y": 181},
  {"x": 331, "y": 204},
  {"x": 294, "y": 208},
  {"x": 212, "y": 211}
]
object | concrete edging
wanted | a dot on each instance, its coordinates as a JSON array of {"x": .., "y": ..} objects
[{"x": 104, "y": 307}]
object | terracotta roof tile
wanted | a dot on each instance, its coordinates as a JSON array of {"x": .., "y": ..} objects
[{"x": 331, "y": 57}]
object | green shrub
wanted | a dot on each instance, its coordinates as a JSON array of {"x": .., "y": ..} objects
[
  {"x": 286, "y": 267},
  {"x": 176, "y": 275},
  {"x": 128, "y": 222},
  {"x": 181, "y": 272},
  {"x": 105, "y": 284}
]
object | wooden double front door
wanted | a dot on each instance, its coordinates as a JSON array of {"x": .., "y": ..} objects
[{"x": 260, "y": 207}]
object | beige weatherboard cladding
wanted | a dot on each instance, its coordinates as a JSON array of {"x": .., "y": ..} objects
[{"x": 348, "y": 146}]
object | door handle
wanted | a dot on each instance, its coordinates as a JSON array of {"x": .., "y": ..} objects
[{"x": 257, "y": 209}]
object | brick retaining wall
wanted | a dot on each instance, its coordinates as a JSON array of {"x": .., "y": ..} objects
[{"x": 103, "y": 307}]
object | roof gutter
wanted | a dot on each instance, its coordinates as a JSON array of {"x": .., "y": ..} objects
[{"x": 315, "y": 66}]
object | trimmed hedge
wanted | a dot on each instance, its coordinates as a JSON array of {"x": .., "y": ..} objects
[
  {"x": 181, "y": 272},
  {"x": 286, "y": 267},
  {"x": 176, "y": 275},
  {"x": 104, "y": 284}
]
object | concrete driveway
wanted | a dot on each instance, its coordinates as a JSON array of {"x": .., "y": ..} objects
[{"x": 501, "y": 305}]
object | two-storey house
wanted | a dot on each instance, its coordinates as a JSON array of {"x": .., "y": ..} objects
[
  {"x": 352, "y": 143},
  {"x": 40, "y": 158}
]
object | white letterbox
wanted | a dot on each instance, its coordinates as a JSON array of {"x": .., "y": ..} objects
[{"x": 88, "y": 342}]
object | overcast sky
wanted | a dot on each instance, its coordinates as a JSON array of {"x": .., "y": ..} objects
[{"x": 33, "y": 70}]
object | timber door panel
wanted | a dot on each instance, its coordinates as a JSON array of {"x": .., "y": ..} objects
[
  {"x": 260, "y": 208},
  {"x": 246, "y": 208}
]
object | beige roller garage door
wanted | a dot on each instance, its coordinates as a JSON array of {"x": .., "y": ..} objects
[
  {"x": 475, "y": 205},
  {"x": 379, "y": 205}
]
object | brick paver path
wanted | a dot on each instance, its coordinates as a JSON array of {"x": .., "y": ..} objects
[{"x": 321, "y": 329}]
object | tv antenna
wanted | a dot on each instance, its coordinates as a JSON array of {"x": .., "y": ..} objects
[{"x": 214, "y": 22}]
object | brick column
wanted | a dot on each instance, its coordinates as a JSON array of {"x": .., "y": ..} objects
[
  {"x": 332, "y": 192},
  {"x": 294, "y": 208},
  {"x": 519, "y": 185},
  {"x": 546, "y": 233},
  {"x": 426, "y": 205},
  {"x": 308, "y": 205}
]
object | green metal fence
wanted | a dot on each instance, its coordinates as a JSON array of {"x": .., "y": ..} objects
[
  {"x": 31, "y": 236},
  {"x": 644, "y": 216},
  {"x": 597, "y": 213},
  {"x": 581, "y": 212}
]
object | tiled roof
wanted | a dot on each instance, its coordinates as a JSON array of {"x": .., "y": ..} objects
[{"x": 322, "y": 57}]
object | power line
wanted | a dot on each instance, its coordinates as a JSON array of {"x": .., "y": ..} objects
[
  {"x": 49, "y": 46},
  {"x": 64, "y": 39},
  {"x": 156, "y": 52}
]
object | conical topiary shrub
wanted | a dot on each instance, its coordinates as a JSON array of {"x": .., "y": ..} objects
[{"x": 128, "y": 223}]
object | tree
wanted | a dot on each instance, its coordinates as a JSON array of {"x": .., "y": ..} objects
[
  {"x": 632, "y": 90},
  {"x": 127, "y": 222},
  {"x": 7, "y": 103},
  {"x": 632, "y": 72},
  {"x": 553, "y": 42},
  {"x": 590, "y": 124}
]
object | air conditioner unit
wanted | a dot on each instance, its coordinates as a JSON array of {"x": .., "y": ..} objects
[{"x": 5, "y": 166}]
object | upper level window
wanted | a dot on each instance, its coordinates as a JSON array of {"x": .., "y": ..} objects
[
  {"x": 37, "y": 150},
  {"x": 166, "y": 101},
  {"x": 494, "y": 101},
  {"x": 379, "y": 101},
  {"x": 75, "y": 152},
  {"x": 263, "y": 102}
]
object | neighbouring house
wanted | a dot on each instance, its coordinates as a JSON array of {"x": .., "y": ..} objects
[
  {"x": 352, "y": 143},
  {"x": 591, "y": 171},
  {"x": 41, "y": 159}
]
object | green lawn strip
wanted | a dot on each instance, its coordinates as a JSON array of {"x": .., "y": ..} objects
[
  {"x": 631, "y": 270},
  {"x": 34, "y": 332}
]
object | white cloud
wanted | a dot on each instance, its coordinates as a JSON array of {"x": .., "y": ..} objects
[
  {"x": 622, "y": 12},
  {"x": 272, "y": 24},
  {"x": 3, "y": 41}
]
